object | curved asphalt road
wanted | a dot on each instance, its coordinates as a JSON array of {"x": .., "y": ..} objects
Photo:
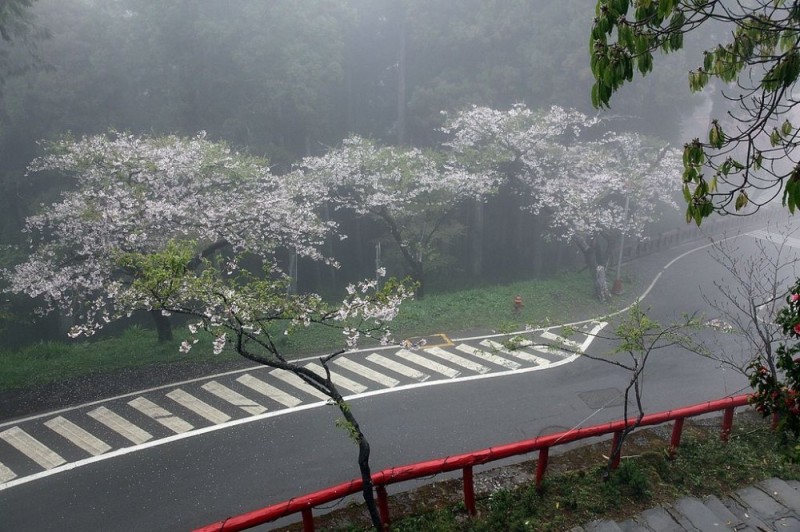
[{"x": 194, "y": 481}]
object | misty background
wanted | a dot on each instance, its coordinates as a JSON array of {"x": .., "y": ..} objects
[{"x": 287, "y": 79}]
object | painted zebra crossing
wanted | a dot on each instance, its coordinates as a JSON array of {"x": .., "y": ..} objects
[{"x": 48, "y": 442}]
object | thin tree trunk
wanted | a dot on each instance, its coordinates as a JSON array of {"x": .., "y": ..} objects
[
  {"x": 401, "y": 79},
  {"x": 363, "y": 463},
  {"x": 419, "y": 276},
  {"x": 163, "y": 326},
  {"x": 476, "y": 242}
]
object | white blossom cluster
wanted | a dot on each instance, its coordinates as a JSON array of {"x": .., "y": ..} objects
[
  {"x": 562, "y": 169},
  {"x": 369, "y": 178},
  {"x": 135, "y": 194},
  {"x": 361, "y": 305},
  {"x": 411, "y": 191}
]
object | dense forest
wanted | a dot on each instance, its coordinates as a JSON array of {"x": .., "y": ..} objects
[{"x": 290, "y": 80}]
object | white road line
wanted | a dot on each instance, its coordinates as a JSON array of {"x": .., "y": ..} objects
[
  {"x": 293, "y": 380},
  {"x": 120, "y": 425},
  {"x": 270, "y": 391},
  {"x": 80, "y": 437},
  {"x": 591, "y": 335},
  {"x": 32, "y": 448},
  {"x": 367, "y": 373},
  {"x": 427, "y": 363},
  {"x": 458, "y": 360},
  {"x": 6, "y": 474},
  {"x": 198, "y": 406},
  {"x": 397, "y": 367},
  {"x": 338, "y": 380},
  {"x": 162, "y": 415},
  {"x": 516, "y": 353},
  {"x": 488, "y": 357},
  {"x": 775, "y": 238},
  {"x": 234, "y": 398}
]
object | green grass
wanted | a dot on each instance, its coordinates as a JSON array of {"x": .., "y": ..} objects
[
  {"x": 577, "y": 494},
  {"x": 490, "y": 308},
  {"x": 564, "y": 298},
  {"x": 46, "y": 362}
]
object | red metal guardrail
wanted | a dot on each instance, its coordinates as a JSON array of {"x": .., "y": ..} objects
[{"x": 467, "y": 461}]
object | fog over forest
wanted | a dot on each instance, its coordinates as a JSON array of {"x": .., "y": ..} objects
[{"x": 297, "y": 83}]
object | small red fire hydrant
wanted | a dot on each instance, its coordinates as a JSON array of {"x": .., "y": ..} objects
[{"x": 518, "y": 304}]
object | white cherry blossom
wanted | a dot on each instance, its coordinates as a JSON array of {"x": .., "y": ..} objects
[{"x": 136, "y": 193}]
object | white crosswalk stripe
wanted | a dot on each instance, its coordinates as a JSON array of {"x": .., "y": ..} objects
[
  {"x": 560, "y": 340},
  {"x": 458, "y": 360},
  {"x": 6, "y": 474},
  {"x": 162, "y": 415},
  {"x": 488, "y": 357},
  {"x": 234, "y": 398},
  {"x": 293, "y": 380},
  {"x": 270, "y": 391},
  {"x": 338, "y": 380},
  {"x": 397, "y": 367},
  {"x": 516, "y": 353},
  {"x": 547, "y": 350},
  {"x": 427, "y": 363},
  {"x": 367, "y": 373},
  {"x": 120, "y": 425},
  {"x": 77, "y": 435},
  {"x": 32, "y": 448},
  {"x": 198, "y": 406}
]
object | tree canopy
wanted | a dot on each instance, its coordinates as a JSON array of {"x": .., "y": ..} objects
[
  {"x": 413, "y": 192},
  {"x": 590, "y": 184},
  {"x": 135, "y": 194},
  {"x": 748, "y": 155}
]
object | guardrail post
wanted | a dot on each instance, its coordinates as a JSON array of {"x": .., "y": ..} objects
[
  {"x": 469, "y": 491},
  {"x": 308, "y": 520},
  {"x": 616, "y": 455},
  {"x": 675, "y": 440},
  {"x": 383, "y": 505},
  {"x": 727, "y": 424},
  {"x": 541, "y": 465}
]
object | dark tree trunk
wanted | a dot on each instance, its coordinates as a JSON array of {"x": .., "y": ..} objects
[
  {"x": 401, "y": 78},
  {"x": 163, "y": 326},
  {"x": 588, "y": 252},
  {"x": 476, "y": 240},
  {"x": 363, "y": 463},
  {"x": 537, "y": 248},
  {"x": 419, "y": 276},
  {"x": 361, "y": 440},
  {"x": 592, "y": 254}
]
